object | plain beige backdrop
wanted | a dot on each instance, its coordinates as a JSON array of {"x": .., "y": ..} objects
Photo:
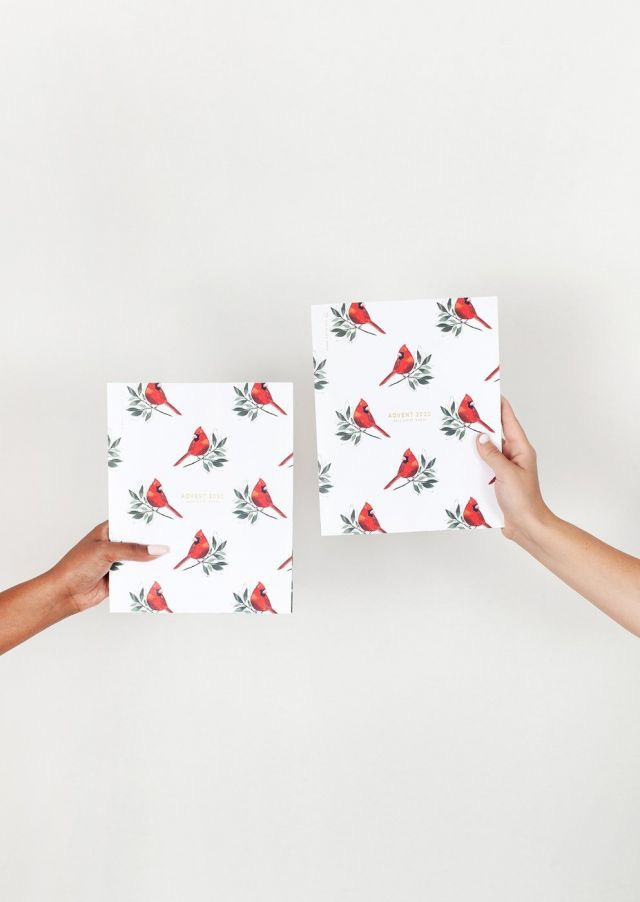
[{"x": 179, "y": 182}]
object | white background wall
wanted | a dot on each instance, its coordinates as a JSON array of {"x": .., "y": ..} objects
[{"x": 179, "y": 182}]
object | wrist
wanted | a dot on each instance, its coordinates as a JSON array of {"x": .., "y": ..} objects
[
  {"x": 534, "y": 527},
  {"x": 55, "y": 594}
]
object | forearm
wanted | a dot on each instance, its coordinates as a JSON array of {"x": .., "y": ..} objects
[
  {"x": 29, "y": 608},
  {"x": 608, "y": 578}
]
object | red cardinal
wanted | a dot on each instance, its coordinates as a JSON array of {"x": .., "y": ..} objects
[
  {"x": 402, "y": 366},
  {"x": 261, "y": 395},
  {"x": 199, "y": 446},
  {"x": 473, "y": 515},
  {"x": 359, "y": 314},
  {"x": 260, "y": 599},
  {"x": 261, "y": 497},
  {"x": 289, "y": 560},
  {"x": 468, "y": 413},
  {"x": 368, "y": 520},
  {"x": 155, "y": 599},
  {"x": 155, "y": 395},
  {"x": 157, "y": 498},
  {"x": 465, "y": 310},
  {"x": 199, "y": 549},
  {"x": 363, "y": 418},
  {"x": 407, "y": 469}
]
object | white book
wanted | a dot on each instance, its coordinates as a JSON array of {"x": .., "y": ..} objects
[
  {"x": 204, "y": 468},
  {"x": 402, "y": 391}
]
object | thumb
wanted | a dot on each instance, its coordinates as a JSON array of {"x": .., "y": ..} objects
[{"x": 492, "y": 456}]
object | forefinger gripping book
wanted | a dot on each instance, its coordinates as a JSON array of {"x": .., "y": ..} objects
[{"x": 402, "y": 390}]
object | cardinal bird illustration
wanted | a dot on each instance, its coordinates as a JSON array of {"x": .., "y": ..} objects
[
  {"x": 363, "y": 418},
  {"x": 199, "y": 549},
  {"x": 262, "y": 499},
  {"x": 199, "y": 446},
  {"x": 359, "y": 314},
  {"x": 468, "y": 413},
  {"x": 262, "y": 396},
  {"x": 403, "y": 365},
  {"x": 368, "y": 520},
  {"x": 465, "y": 310},
  {"x": 154, "y": 393},
  {"x": 289, "y": 560},
  {"x": 407, "y": 469},
  {"x": 155, "y": 599},
  {"x": 473, "y": 515},
  {"x": 157, "y": 498},
  {"x": 260, "y": 599}
]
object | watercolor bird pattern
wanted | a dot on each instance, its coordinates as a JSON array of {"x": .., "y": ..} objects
[
  {"x": 202, "y": 474},
  {"x": 412, "y": 384}
]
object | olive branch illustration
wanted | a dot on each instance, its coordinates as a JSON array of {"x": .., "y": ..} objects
[
  {"x": 215, "y": 559},
  {"x": 320, "y": 380},
  {"x": 452, "y": 425},
  {"x": 455, "y": 520},
  {"x": 214, "y": 456},
  {"x": 140, "y": 509},
  {"x": 140, "y": 603},
  {"x": 348, "y": 430},
  {"x": 350, "y": 525},
  {"x": 420, "y": 374},
  {"x": 245, "y": 406},
  {"x": 324, "y": 479},
  {"x": 139, "y": 406},
  {"x": 424, "y": 479},
  {"x": 114, "y": 458},
  {"x": 449, "y": 321},
  {"x": 245, "y": 509},
  {"x": 242, "y": 603},
  {"x": 344, "y": 327}
]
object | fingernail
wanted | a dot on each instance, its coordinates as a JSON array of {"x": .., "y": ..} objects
[
  {"x": 157, "y": 550},
  {"x": 484, "y": 438}
]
